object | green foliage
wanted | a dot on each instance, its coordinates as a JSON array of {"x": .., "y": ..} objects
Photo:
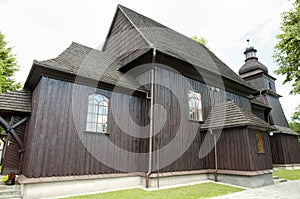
[
  {"x": 295, "y": 124},
  {"x": 200, "y": 40},
  {"x": 8, "y": 66},
  {"x": 296, "y": 115},
  {"x": 205, "y": 190},
  {"x": 288, "y": 174},
  {"x": 287, "y": 50}
]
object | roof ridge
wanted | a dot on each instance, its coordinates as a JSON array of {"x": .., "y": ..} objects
[
  {"x": 140, "y": 22},
  {"x": 125, "y": 11},
  {"x": 73, "y": 47},
  {"x": 121, "y": 7}
]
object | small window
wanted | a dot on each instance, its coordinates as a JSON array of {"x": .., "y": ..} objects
[
  {"x": 270, "y": 85},
  {"x": 195, "y": 106},
  {"x": 260, "y": 142},
  {"x": 97, "y": 113}
]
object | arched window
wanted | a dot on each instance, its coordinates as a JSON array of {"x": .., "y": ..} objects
[
  {"x": 97, "y": 113},
  {"x": 195, "y": 106}
]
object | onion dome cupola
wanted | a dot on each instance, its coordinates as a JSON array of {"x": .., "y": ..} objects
[{"x": 251, "y": 62}]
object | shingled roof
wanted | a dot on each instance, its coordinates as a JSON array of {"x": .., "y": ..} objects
[
  {"x": 91, "y": 63},
  {"x": 228, "y": 114},
  {"x": 19, "y": 101},
  {"x": 252, "y": 65},
  {"x": 173, "y": 43},
  {"x": 284, "y": 130}
]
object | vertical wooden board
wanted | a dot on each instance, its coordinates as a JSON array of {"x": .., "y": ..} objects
[
  {"x": 53, "y": 116},
  {"x": 30, "y": 146},
  {"x": 41, "y": 126},
  {"x": 123, "y": 37}
]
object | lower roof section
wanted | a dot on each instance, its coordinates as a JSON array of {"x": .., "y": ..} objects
[{"x": 16, "y": 101}]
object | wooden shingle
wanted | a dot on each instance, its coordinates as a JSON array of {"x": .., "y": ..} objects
[
  {"x": 228, "y": 114},
  {"x": 19, "y": 101}
]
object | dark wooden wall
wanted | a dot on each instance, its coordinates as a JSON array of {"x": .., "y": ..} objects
[
  {"x": 55, "y": 144},
  {"x": 259, "y": 113},
  {"x": 260, "y": 161},
  {"x": 233, "y": 150},
  {"x": 285, "y": 149},
  {"x": 209, "y": 98},
  {"x": 237, "y": 150},
  {"x": 261, "y": 81},
  {"x": 123, "y": 38},
  {"x": 56, "y": 141},
  {"x": 277, "y": 111}
]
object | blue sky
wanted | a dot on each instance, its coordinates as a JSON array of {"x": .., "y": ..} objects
[{"x": 41, "y": 29}]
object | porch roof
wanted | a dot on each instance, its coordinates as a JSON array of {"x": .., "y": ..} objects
[
  {"x": 16, "y": 101},
  {"x": 228, "y": 114},
  {"x": 284, "y": 130}
]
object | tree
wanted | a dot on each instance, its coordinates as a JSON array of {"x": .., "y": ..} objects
[
  {"x": 287, "y": 55},
  {"x": 287, "y": 50},
  {"x": 200, "y": 40},
  {"x": 295, "y": 124},
  {"x": 8, "y": 66}
]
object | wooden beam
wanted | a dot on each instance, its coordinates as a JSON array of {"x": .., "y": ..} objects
[
  {"x": 11, "y": 131},
  {"x": 19, "y": 122}
]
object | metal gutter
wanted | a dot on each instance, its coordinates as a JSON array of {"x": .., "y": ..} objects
[{"x": 151, "y": 117}]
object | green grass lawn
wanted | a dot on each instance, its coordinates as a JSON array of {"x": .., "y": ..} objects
[
  {"x": 288, "y": 174},
  {"x": 205, "y": 190}
]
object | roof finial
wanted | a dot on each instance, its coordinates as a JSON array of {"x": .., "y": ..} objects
[{"x": 248, "y": 44}]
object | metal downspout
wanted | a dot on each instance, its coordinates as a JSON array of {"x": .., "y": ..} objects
[
  {"x": 216, "y": 156},
  {"x": 151, "y": 117}
]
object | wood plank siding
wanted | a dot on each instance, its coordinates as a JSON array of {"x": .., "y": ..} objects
[
  {"x": 123, "y": 39},
  {"x": 285, "y": 149},
  {"x": 209, "y": 98},
  {"x": 277, "y": 113},
  {"x": 260, "y": 81},
  {"x": 57, "y": 144},
  {"x": 260, "y": 161},
  {"x": 56, "y": 139},
  {"x": 237, "y": 150}
]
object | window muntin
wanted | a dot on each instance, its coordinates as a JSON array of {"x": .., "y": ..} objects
[
  {"x": 195, "y": 106},
  {"x": 97, "y": 113},
  {"x": 260, "y": 142}
]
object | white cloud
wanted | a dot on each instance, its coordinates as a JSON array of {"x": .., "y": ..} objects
[{"x": 41, "y": 29}]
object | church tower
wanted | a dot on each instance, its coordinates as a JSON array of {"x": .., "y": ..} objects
[
  {"x": 258, "y": 76},
  {"x": 284, "y": 144}
]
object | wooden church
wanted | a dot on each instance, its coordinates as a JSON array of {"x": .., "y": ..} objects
[{"x": 150, "y": 108}]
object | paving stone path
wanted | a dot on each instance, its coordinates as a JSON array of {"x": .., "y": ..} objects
[{"x": 286, "y": 190}]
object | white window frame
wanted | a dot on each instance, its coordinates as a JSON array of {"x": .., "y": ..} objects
[
  {"x": 195, "y": 106},
  {"x": 97, "y": 113}
]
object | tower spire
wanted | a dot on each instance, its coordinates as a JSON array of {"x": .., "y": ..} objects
[{"x": 250, "y": 52}]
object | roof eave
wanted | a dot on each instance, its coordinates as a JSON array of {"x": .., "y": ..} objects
[{"x": 40, "y": 70}]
